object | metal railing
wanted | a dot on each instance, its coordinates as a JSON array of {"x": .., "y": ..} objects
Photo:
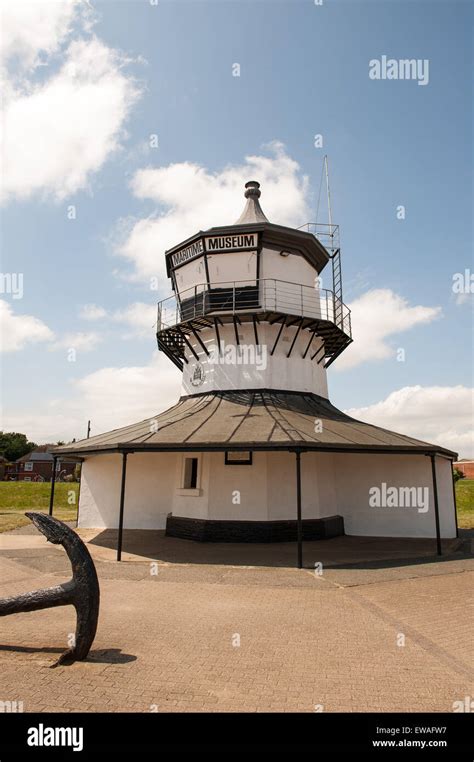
[
  {"x": 264, "y": 295},
  {"x": 326, "y": 234}
]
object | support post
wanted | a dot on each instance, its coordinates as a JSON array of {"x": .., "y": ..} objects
[
  {"x": 436, "y": 506},
  {"x": 122, "y": 502},
  {"x": 299, "y": 522},
  {"x": 454, "y": 500},
  {"x": 53, "y": 483}
]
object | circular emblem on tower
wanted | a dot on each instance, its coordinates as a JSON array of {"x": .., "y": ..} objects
[{"x": 197, "y": 378}]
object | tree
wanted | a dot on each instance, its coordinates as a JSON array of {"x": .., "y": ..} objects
[
  {"x": 457, "y": 474},
  {"x": 14, "y": 445}
]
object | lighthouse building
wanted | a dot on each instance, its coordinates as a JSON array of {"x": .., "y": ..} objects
[{"x": 254, "y": 450}]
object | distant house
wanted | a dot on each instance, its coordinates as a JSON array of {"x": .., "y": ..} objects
[
  {"x": 466, "y": 467},
  {"x": 37, "y": 466},
  {"x": 3, "y": 466}
]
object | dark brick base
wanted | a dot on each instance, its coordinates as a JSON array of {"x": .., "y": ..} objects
[{"x": 252, "y": 531}]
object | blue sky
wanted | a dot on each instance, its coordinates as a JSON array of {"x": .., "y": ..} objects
[{"x": 304, "y": 71}]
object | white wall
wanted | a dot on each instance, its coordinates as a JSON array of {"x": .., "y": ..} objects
[
  {"x": 331, "y": 484},
  {"x": 267, "y": 371},
  {"x": 249, "y": 481},
  {"x": 149, "y": 490},
  {"x": 356, "y": 474},
  {"x": 318, "y": 498},
  {"x": 293, "y": 268}
]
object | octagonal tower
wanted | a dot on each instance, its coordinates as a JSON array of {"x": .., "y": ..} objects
[{"x": 248, "y": 310}]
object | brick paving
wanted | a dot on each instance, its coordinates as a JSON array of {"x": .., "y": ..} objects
[{"x": 206, "y": 636}]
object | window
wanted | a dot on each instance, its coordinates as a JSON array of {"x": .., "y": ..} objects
[
  {"x": 190, "y": 473},
  {"x": 238, "y": 458},
  {"x": 28, "y": 466},
  {"x": 27, "y": 479}
]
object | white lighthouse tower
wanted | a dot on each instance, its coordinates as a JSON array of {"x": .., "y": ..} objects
[
  {"x": 248, "y": 310},
  {"x": 254, "y": 451}
]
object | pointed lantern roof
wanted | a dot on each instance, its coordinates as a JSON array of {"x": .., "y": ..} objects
[{"x": 253, "y": 211}]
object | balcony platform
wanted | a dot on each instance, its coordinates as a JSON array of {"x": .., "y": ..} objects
[{"x": 317, "y": 311}]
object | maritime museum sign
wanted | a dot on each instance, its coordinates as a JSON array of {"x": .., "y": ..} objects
[{"x": 236, "y": 242}]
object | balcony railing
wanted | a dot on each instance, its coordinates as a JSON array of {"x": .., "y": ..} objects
[
  {"x": 327, "y": 234},
  {"x": 265, "y": 295}
]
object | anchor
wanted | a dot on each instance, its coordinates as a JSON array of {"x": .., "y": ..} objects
[{"x": 82, "y": 591}]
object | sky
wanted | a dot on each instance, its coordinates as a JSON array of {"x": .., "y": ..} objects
[{"x": 130, "y": 125}]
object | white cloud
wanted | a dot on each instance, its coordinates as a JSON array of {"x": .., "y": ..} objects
[
  {"x": 439, "y": 414},
  {"x": 109, "y": 397},
  {"x": 31, "y": 28},
  {"x": 92, "y": 312},
  {"x": 195, "y": 199},
  {"x": 80, "y": 342},
  {"x": 19, "y": 330},
  {"x": 140, "y": 317},
  {"x": 59, "y": 131},
  {"x": 377, "y": 316}
]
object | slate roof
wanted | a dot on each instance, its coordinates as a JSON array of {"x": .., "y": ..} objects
[{"x": 256, "y": 419}]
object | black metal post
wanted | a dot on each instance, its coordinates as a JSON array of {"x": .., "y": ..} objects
[
  {"x": 454, "y": 500},
  {"x": 53, "y": 482},
  {"x": 299, "y": 522},
  {"x": 122, "y": 502},
  {"x": 436, "y": 506},
  {"x": 78, "y": 496}
]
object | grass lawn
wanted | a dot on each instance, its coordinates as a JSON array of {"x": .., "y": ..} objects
[
  {"x": 18, "y": 497},
  {"x": 465, "y": 503}
]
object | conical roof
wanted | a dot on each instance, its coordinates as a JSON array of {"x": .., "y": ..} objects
[
  {"x": 252, "y": 420},
  {"x": 252, "y": 211}
]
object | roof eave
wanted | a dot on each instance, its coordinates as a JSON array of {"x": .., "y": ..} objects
[{"x": 303, "y": 446}]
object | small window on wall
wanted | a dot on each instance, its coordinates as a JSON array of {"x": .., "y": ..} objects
[
  {"x": 190, "y": 475},
  {"x": 238, "y": 458},
  {"x": 28, "y": 466}
]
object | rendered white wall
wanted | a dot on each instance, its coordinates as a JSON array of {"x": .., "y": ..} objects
[
  {"x": 293, "y": 268},
  {"x": 249, "y": 481},
  {"x": 331, "y": 484},
  {"x": 265, "y": 371},
  {"x": 149, "y": 490},
  {"x": 318, "y": 497},
  {"x": 356, "y": 474}
]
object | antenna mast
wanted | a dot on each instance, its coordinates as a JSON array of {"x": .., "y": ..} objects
[{"x": 328, "y": 192}]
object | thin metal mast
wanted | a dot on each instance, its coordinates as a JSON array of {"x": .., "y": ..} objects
[{"x": 328, "y": 192}]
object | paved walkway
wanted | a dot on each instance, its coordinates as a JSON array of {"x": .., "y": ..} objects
[{"x": 203, "y": 635}]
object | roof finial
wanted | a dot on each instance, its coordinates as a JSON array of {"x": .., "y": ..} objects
[{"x": 253, "y": 211}]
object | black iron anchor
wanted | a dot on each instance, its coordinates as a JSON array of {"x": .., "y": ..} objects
[{"x": 82, "y": 591}]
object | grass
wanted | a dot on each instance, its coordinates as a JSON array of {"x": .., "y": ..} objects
[
  {"x": 18, "y": 497},
  {"x": 465, "y": 503}
]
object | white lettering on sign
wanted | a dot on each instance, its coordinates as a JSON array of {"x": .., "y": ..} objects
[
  {"x": 239, "y": 242},
  {"x": 243, "y": 241},
  {"x": 191, "y": 251}
]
